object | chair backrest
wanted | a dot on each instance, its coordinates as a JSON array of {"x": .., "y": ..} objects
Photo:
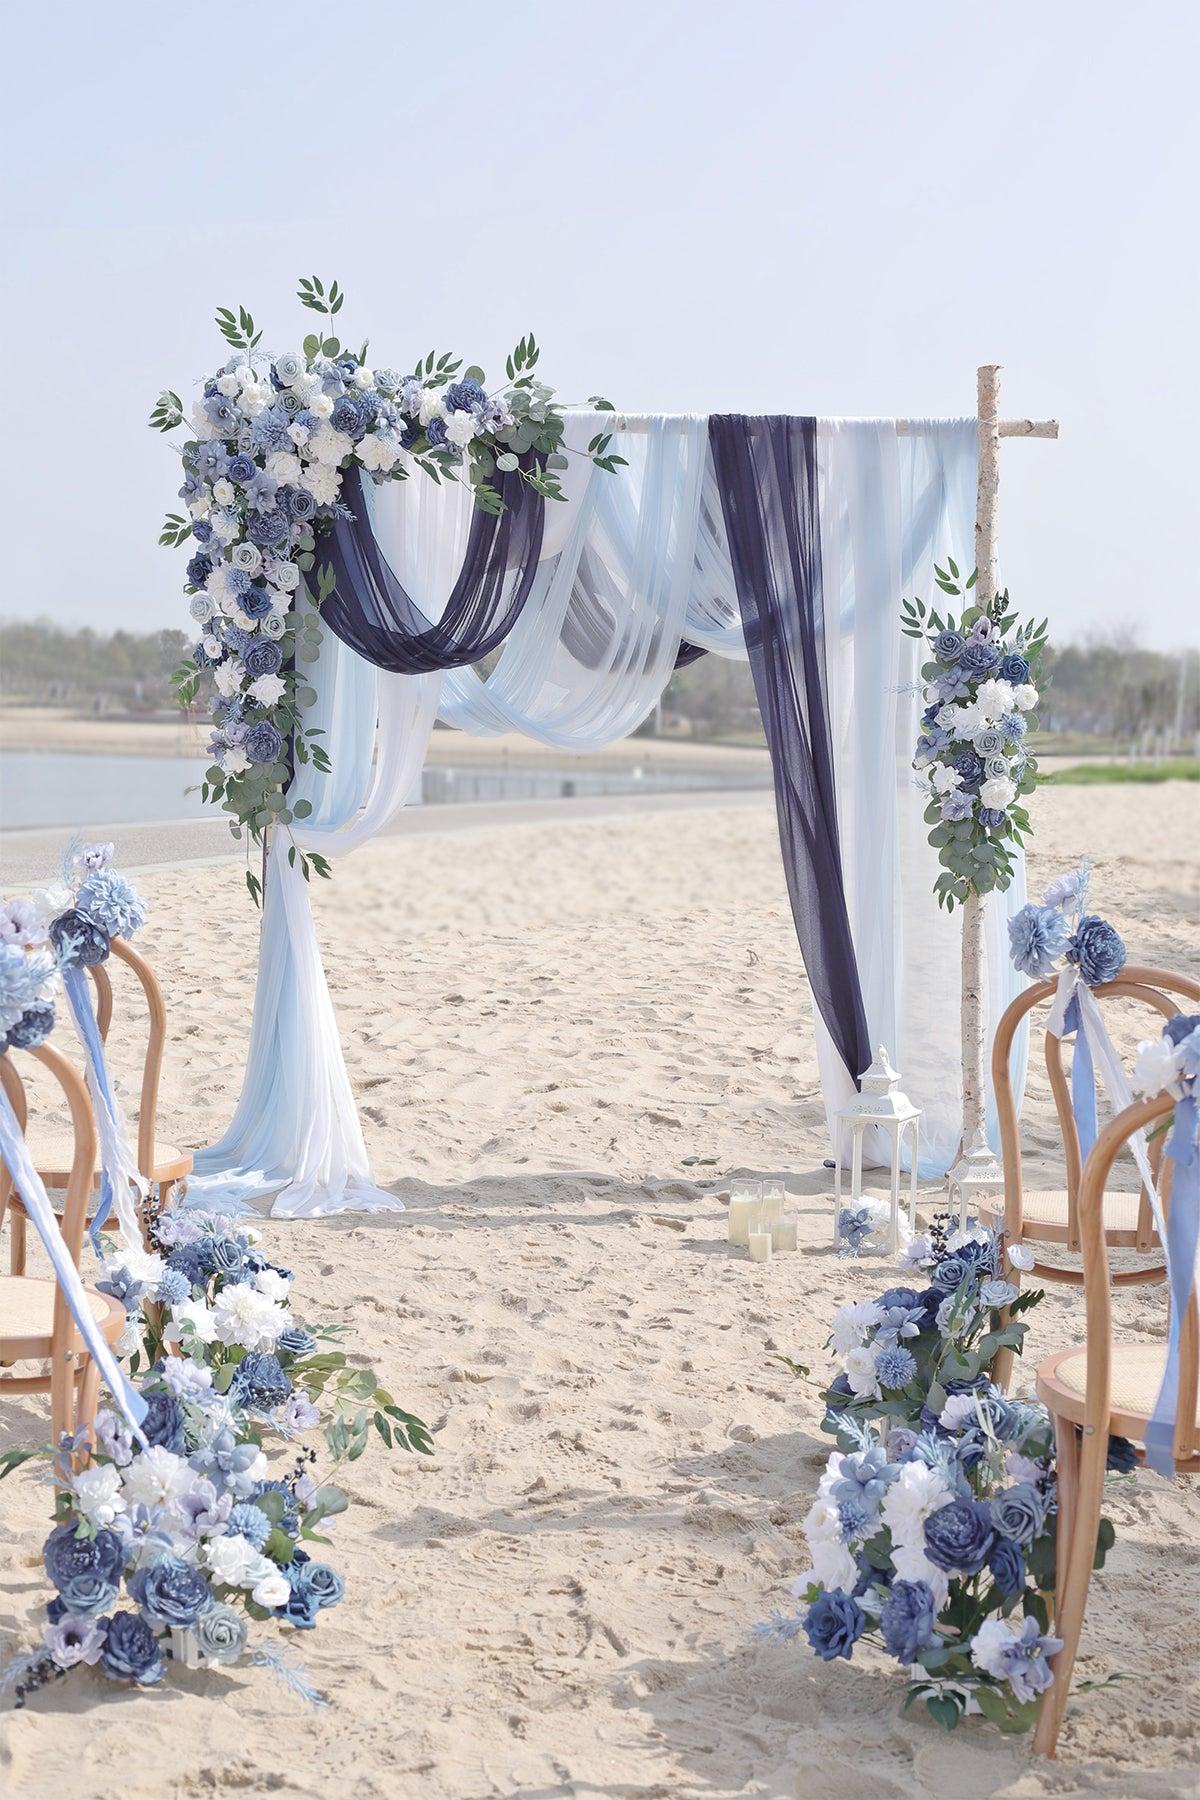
[
  {"x": 156, "y": 1039},
  {"x": 1098, "y": 1285},
  {"x": 73, "y": 1219},
  {"x": 1154, "y": 988}
]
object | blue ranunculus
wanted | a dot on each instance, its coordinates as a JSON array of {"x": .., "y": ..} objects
[
  {"x": 263, "y": 658},
  {"x": 170, "y": 1592},
  {"x": 255, "y": 602},
  {"x": 991, "y": 817},
  {"x": 33, "y": 1027},
  {"x": 270, "y": 528},
  {"x": 1013, "y": 668},
  {"x": 465, "y": 396},
  {"x": 948, "y": 646},
  {"x": 970, "y": 767},
  {"x": 834, "y": 1623},
  {"x": 79, "y": 941},
  {"x": 347, "y": 416},
  {"x": 163, "y": 1423},
  {"x": 435, "y": 432},
  {"x": 131, "y": 1651},
  {"x": 262, "y": 743},
  {"x": 259, "y": 1381},
  {"x": 242, "y": 468},
  {"x": 947, "y": 1275},
  {"x": 1037, "y": 937},
  {"x": 67, "y": 1557},
  {"x": 1006, "y": 1566},
  {"x": 907, "y": 1619},
  {"x": 960, "y": 1536},
  {"x": 1019, "y": 1513},
  {"x": 978, "y": 659},
  {"x": 1097, "y": 950}
]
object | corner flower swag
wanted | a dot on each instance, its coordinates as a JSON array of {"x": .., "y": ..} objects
[
  {"x": 206, "y": 1538},
  {"x": 1171, "y": 1065},
  {"x": 933, "y": 1531},
  {"x": 981, "y": 689},
  {"x": 270, "y": 441}
]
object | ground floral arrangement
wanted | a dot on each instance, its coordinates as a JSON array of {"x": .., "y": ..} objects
[
  {"x": 188, "y": 1523},
  {"x": 933, "y": 1531},
  {"x": 981, "y": 689},
  {"x": 270, "y": 438}
]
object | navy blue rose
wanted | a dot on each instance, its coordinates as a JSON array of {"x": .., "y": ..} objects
[
  {"x": 255, "y": 602},
  {"x": 978, "y": 659},
  {"x": 262, "y": 743},
  {"x": 242, "y": 468},
  {"x": 1097, "y": 950},
  {"x": 163, "y": 1423},
  {"x": 79, "y": 941},
  {"x": 33, "y": 1027},
  {"x": 199, "y": 569},
  {"x": 465, "y": 395},
  {"x": 907, "y": 1620},
  {"x": 295, "y": 1341},
  {"x": 201, "y": 530},
  {"x": 170, "y": 1592},
  {"x": 435, "y": 432},
  {"x": 80, "y": 1567},
  {"x": 263, "y": 658},
  {"x": 260, "y": 1382},
  {"x": 301, "y": 504},
  {"x": 970, "y": 767},
  {"x": 833, "y": 1625},
  {"x": 929, "y": 1300},
  {"x": 960, "y": 1536},
  {"x": 347, "y": 416},
  {"x": 270, "y": 528},
  {"x": 303, "y": 1603},
  {"x": 1006, "y": 1567},
  {"x": 131, "y": 1651},
  {"x": 1013, "y": 668}
]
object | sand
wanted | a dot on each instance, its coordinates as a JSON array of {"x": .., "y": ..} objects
[{"x": 560, "y": 1602}]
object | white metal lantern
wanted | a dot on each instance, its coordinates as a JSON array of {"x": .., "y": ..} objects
[
  {"x": 879, "y": 1103},
  {"x": 975, "y": 1174}
]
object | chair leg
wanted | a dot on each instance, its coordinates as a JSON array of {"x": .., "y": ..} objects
[
  {"x": 1073, "y": 1584},
  {"x": 89, "y": 1399},
  {"x": 1067, "y": 1456},
  {"x": 16, "y": 1245}
]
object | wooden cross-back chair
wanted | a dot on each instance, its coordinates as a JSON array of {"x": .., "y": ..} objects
[
  {"x": 35, "y": 1320},
  {"x": 1102, "y": 1387},
  {"x": 1051, "y": 1216},
  {"x": 51, "y": 1147}
]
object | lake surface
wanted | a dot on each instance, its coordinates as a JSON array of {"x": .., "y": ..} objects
[{"x": 77, "y": 792}]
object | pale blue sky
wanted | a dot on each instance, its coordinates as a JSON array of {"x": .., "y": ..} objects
[{"x": 801, "y": 207}]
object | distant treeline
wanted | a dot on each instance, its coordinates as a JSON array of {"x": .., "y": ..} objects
[{"x": 1108, "y": 688}]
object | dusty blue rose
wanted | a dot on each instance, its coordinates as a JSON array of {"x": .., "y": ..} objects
[
  {"x": 1097, "y": 950},
  {"x": 170, "y": 1593},
  {"x": 970, "y": 767},
  {"x": 198, "y": 570},
  {"x": 242, "y": 468},
  {"x": 989, "y": 743},
  {"x": 131, "y": 1651},
  {"x": 435, "y": 431},
  {"x": 295, "y": 1341},
  {"x": 1019, "y": 1513},
  {"x": 301, "y": 504},
  {"x": 960, "y": 1536},
  {"x": 1006, "y": 1566},
  {"x": 221, "y": 1633},
  {"x": 907, "y": 1619},
  {"x": 326, "y": 1584},
  {"x": 834, "y": 1624},
  {"x": 1037, "y": 937}
]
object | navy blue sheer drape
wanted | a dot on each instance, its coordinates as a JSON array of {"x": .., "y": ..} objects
[
  {"x": 370, "y": 610},
  {"x": 766, "y": 471}
]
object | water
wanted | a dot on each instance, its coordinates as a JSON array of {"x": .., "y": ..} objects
[{"x": 76, "y": 792}]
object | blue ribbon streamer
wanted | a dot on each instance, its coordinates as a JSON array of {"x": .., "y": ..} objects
[
  {"x": 1083, "y": 1080},
  {"x": 1183, "y": 1232},
  {"x": 79, "y": 995}
]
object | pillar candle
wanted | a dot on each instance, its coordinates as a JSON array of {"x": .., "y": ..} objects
[
  {"x": 759, "y": 1244},
  {"x": 783, "y": 1234}
]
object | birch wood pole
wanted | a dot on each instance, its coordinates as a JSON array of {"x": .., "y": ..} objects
[{"x": 986, "y": 562}]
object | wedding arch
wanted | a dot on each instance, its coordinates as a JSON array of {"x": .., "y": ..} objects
[{"x": 783, "y": 541}]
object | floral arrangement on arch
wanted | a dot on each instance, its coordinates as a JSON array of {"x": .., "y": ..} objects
[
  {"x": 981, "y": 688},
  {"x": 932, "y": 1535},
  {"x": 179, "y": 1542},
  {"x": 269, "y": 440}
]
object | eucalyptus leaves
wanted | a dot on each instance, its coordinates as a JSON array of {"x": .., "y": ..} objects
[{"x": 981, "y": 686}]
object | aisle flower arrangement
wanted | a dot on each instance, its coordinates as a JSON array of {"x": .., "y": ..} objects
[
  {"x": 981, "y": 688},
  {"x": 185, "y": 1547},
  {"x": 268, "y": 441},
  {"x": 932, "y": 1535}
]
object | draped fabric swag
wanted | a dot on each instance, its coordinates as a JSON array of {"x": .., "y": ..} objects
[{"x": 786, "y": 541}]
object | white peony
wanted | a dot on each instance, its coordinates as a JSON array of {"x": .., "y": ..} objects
[
  {"x": 322, "y": 482},
  {"x": 378, "y": 450},
  {"x": 321, "y": 405},
  {"x": 945, "y": 778},
  {"x": 994, "y": 699},
  {"x": 461, "y": 427},
  {"x": 998, "y": 793},
  {"x": 860, "y": 1373},
  {"x": 272, "y": 1590},
  {"x": 234, "y": 761},
  {"x": 254, "y": 400},
  {"x": 97, "y": 1493},
  {"x": 916, "y": 1492},
  {"x": 851, "y": 1324},
  {"x": 274, "y": 1285},
  {"x": 1025, "y": 697},
  {"x": 268, "y": 690},
  {"x": 284, "y": 467},
  {"x": 228, "y": 677},
  {"x": 244, "y": 1316},
  {"x": 1157, "y": 1069},
  {"x": 138, "y": 1264},
  {"x": 196, "y": 1313},
  {"x": 911, "y": 1564},
  {"x": 228, "y": 385},
  {"x": 156, "y": 1478},
  {"x": 329, "y": 446},
  {"x": 432, "y": 406}
]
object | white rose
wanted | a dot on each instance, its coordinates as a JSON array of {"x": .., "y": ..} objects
[
  {"x": 998, "y": 793},
  {"x": 200, "y": 509},
  {"x": 268, "y": 690},
  {"x": 284, "y": 467},
  {"x": 1025, "y": 697},
  {"x": 97, "y": 1492},
  {"x": 432, "y": 406},
  {"x": 233, "y": 1561},
  {"x": 198, "y": 1315},
  {"x": 228, "y": 384},
  {"x": 1021, "y": 1256},
  {"x": 947, "y": 717},
  {"x": 321, "y": 405},
  {"x": 364, "y": 378},
  {"x": 461, "y": 427},
  {"x": 1156, "y": 1070},
  {"x": 247, "y": 557},
  {"x": 273, "y": 625},
  {"x": 272, "y": 1591},
  {"x": 223, "y": 492},
  {"x": 299, "y": 434},
  {"x": 210, "y": 645},
  {"x": 286, "y": 575},
  {"x": 945, "y": 778},
  {"x": 860, "y": 1372}
]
